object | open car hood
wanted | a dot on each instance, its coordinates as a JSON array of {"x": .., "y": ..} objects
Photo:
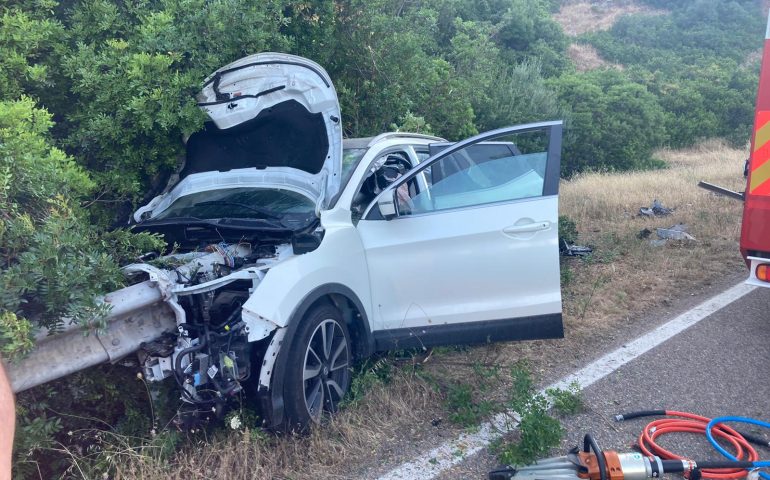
[{"x": 273, "y": 116}]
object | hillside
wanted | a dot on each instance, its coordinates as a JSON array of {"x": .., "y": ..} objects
[{"x": 578, "y": 17}]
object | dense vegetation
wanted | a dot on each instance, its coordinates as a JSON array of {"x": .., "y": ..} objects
[
  {"x": 97, "y": 95},
  {"x": 696, "y": 61}
]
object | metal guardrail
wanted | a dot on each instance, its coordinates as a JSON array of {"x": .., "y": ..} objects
[{"x": 138, "y": 315}]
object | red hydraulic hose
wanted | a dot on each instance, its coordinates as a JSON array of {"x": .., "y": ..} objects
[{"x": 691, "y": 423}]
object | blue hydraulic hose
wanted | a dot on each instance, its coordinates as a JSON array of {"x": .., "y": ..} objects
[{"x": 752, "y": 421}]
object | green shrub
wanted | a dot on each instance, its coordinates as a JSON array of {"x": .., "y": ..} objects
[
  {"x": 567, "y": 229},
  {"x": 569, "y": 401},
  {"x": 538, "y": 431},
  {"x": 614, "y": 124},
  {"x": 467, "y": 405}
]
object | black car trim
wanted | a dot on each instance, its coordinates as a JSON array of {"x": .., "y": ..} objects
[
  {"x": 235, "y": 99},
  {"x": 469, "y": 333},
  {"x": 553, "y": 165},
  {"x": 273, "y": 62}
]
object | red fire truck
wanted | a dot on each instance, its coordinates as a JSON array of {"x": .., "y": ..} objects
[{"x": 755, "y": 229}]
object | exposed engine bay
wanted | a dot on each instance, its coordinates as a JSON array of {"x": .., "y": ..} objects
[{"x": 211, "y": 353}]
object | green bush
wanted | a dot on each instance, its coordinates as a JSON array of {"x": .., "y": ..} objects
[
  {"x": 614, "y": 123},
  {"x": 53, "y": 263},
  {"x": 539, "y": 432}
]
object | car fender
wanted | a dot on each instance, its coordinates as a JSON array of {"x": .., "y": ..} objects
[
  {"x": 340, "y": 259},
  {"x": 292, "y": 287}
]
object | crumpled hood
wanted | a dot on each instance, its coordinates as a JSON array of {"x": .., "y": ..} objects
[{"x": 272, "y": 116}]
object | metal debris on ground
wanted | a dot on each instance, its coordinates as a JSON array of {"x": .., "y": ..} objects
[
  {"x": 656, "y": 210},
  {"x": 571, "y": 250},
  {"x": 675, "y": 232}
]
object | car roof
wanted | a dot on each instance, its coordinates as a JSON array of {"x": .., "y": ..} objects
[
  {"x": 366, "y": 142},
  {"x": 356, "y": 142}
]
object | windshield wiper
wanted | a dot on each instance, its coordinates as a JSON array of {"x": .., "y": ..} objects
[{"x": 264, "y": 212}]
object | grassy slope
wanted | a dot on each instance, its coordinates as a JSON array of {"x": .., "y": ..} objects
[
  {"x": 580, "y": 16},
  {"x": 628, "y": 273}
]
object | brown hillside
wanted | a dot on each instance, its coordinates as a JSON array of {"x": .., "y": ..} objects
[
  {"x": 585, "y": 57},
  {"x": 583, "y": 16}
]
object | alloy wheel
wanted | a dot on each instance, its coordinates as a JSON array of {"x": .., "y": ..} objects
[{"x": 327, "y": 359}]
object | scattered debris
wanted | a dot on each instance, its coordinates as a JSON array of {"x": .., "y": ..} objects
[
  {"x": 656, "y": 210},
  {"x": 676, "y": 232},
  {"x": 571, "y": 250},
  {"x": 644, "y": 233}
]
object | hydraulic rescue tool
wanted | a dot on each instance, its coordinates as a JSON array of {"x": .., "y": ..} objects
[{"x": 593, "y": 463}]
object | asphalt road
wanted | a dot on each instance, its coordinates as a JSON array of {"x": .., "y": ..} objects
[{"x": 718, "y": 367}]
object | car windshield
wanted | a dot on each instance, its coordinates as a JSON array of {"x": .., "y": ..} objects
[
  {"x": 350, "y": 158},
  {"x": 240, "y": 203}
]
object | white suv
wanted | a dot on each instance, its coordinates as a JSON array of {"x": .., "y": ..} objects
[{"x": 298, "y": 252}]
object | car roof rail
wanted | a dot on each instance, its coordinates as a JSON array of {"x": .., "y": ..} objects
[{"x": 391, "y": 135}]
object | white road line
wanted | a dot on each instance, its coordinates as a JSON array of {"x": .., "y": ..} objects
[{"x": 452, "y": 452}]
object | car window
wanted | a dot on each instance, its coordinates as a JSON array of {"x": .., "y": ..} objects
[
  {"x": 383, "y": 171},
  {"x": 422, "y": 154},
  {"x": 505, "y": 168}
]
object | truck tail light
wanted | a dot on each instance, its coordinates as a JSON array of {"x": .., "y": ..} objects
[{"x": 763, "y": 272}]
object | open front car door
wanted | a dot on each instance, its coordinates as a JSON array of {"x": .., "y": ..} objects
[{"x": 464, "y": 247}]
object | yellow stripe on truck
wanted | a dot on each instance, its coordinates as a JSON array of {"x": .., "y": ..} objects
[
  {"x": 759, "y": 176},
  {"x": 762, "y": 136}
]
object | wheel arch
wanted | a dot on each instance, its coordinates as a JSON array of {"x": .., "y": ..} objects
[{"x": 353, "y": 313}]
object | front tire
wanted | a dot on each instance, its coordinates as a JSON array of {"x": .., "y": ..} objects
[{"x": 318, "y": 373}]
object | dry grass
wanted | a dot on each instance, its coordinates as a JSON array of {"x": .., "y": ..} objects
[
  {"x": 753, "y": 58},
  {"x": 369, "y": 430},
  {"x": 577, "y": 17},
  {"x": 585, "y": 57},
  {"x": 625, "y": 276},
  {"x": 628, "y": 273}
]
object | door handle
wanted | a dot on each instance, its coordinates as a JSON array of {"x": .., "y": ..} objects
[{"x": 529, "y": 227}]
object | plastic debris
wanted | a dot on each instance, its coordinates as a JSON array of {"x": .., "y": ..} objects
[
  {"x": 675, "y": 232},
  {"x": 571, "y": 250},
  {"x": 656, "y": 210}
]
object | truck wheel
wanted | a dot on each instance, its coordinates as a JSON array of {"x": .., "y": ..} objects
[{"x": 318, "y": 373}]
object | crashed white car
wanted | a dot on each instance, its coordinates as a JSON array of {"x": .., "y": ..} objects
[{"x": 298, "y": 252}]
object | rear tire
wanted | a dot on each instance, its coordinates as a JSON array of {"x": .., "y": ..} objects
[{"x": 318, "y": 368}]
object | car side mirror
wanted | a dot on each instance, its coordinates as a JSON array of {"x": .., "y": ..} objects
[{"x": 387, "y": 205}]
